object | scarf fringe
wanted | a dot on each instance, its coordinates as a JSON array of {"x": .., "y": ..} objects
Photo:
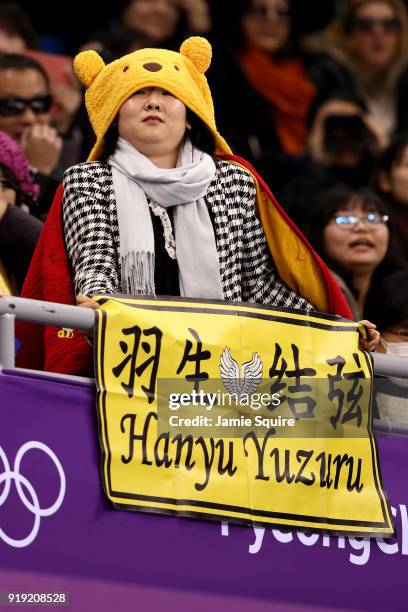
[{"x": 137, "y": 273}]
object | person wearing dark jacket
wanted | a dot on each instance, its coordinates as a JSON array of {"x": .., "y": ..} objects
[
  {"x": 342, "y": 148},
  {"x": 261, "y": 88}
]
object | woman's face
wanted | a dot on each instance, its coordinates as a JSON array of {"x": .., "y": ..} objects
[
  {"x": 153, "y": 121},
  {"x": 398, "y": 179},
  {"x": 156, "y": 19},
  {"x": 356, "y": 248},
  {"x": 266, "y": 25},
  {"x": 375, "y": 36}
]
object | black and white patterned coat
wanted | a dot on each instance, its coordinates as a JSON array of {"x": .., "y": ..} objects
[{"x": 92, "y": 235}]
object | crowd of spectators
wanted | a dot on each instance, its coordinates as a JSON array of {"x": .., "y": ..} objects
[{"x": 316, "y": 100}]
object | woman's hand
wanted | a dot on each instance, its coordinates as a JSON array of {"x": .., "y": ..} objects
[
  {"x": 86, "y": 301},
  {"x": 374, "y": 337},
  {"x": 42, "y": 147}
]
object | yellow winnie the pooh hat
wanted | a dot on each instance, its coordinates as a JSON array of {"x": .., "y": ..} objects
[{"x": 182, "y": 74}]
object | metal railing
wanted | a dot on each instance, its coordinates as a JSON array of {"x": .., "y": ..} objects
[
  {"x": 35, "y": 311},
  {"x": 72, "y": 317}
]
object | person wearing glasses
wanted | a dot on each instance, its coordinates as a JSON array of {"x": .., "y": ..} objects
[
  {"x": 25, "y": 104},
  {"x": 366, "y": 51},
  {"x": 349, "y": 228}
]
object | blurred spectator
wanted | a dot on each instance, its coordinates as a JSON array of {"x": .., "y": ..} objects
[
  {"x": 154, "y": 23},
  {"x": 261, "y": 88},
  {"x": 16, "y": 30},
  {"x": 367, "y": 53},
  {"x": 166, "y": 20},
  {"x": 305, "y": 20},
  {"x": 392, "y": 181},
  {"x": 348, "y": 229},
  {"x": 391, "y": 394},
  {"x": 393, "y": 317},
  {"x": 343, "y": 146},
  {"x": 113, "y": 44},
  {"x": 25, "y": 103},
  {"x": 19, "y": 230}
]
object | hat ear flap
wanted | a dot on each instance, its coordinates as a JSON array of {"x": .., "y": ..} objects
[
  {"x": 87, "y": 66},
  {"x": 199, "y": 51}
]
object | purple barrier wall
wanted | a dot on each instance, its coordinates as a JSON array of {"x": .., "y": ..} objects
[{"x": 55, "y": 521}]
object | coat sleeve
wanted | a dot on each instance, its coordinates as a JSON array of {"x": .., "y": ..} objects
[{"x": 88, "y": 232}]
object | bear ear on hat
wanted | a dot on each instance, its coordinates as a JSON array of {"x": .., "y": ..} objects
[
  {"x": 199, "y": 51},
  {"x": 87, "y": 66}
]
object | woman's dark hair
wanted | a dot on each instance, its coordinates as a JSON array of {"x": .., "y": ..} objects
[
  {"x": 199, "y": 135},
  {"x": 110, "y": 141},
  {"x": 393, "y": 297}
]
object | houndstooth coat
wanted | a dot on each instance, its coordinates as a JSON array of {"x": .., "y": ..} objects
[{"x": 91, "y": 233}]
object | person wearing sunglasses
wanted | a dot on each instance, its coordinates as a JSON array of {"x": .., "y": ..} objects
[
  {"x": 365, "y": 51},
  {"x": 25, "y": 104},
  {"x": 350, "y": 229}
]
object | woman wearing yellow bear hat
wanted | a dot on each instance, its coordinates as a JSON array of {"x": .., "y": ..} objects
[
  {"x": 157, "y": 215},
  {"x": 162, "y": 208}
]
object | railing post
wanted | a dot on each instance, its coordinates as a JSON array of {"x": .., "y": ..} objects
[{"x": 7, "y": 341}]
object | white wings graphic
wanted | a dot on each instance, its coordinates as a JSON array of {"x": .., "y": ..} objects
[{"x": 251, "y": 377}]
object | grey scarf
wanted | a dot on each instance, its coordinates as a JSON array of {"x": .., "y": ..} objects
[{"x": 136, "y": 178}]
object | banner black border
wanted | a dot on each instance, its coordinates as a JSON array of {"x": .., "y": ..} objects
[{"x": 101, "y": 331}]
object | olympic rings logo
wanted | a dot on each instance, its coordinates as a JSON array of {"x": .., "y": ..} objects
[{"x": 21, "y": 483}]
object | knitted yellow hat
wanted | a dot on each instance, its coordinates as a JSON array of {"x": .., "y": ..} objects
[{"x": 182, "y": 74}]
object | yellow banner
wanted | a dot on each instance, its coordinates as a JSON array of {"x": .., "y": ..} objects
[{"x": 238, "y": 412}]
